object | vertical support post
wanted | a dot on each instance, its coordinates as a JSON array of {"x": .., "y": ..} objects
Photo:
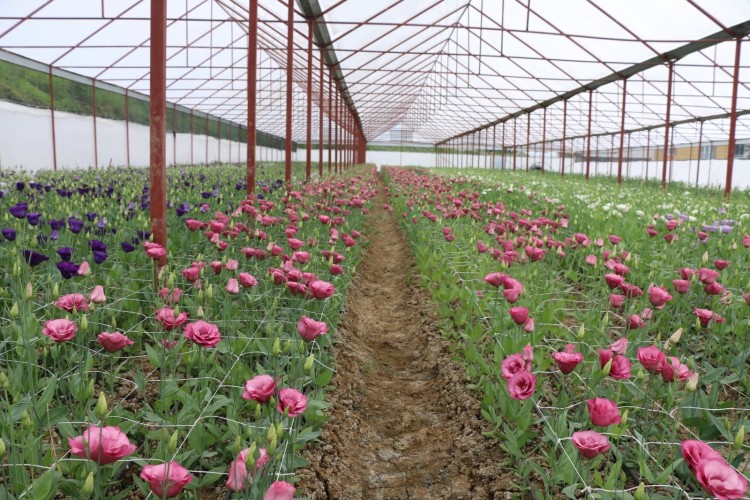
[
  {"x": 667, "y": 124},
  {"x": 174, "y": 134},
  {"x": 514, "y": 143},
  {"x": 52, "y": 119},
  {"x": 320, "y": 109},
  {"x": 337, "y": 166},
  {"x": 733, "y": 120},
  {"x": 494, "y": 144},
  {"x": 622, "y": 131},
  {"x": 528, "y": 139},
  {"x": 700, "y": 149},
  {"x": 157, "y": 123},
  {"x": 330, "y": 116},
  {"x": 93, "y": 115},
  {"x": 127, "y": 128},
  {"x": 252, "y": 96},
  {"x": 648, "y": 153},
  {"x": 308, "y": 159},
  {"x": 192, "y": 161},
  {"x": 289, "y": 83},
  {"x": 544, "y": 136},
  {"x": 564, "y": 130},
  {"x": 588, "y": 137}
]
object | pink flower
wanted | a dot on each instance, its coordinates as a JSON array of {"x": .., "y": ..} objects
[
  {"x": 73, "y": 302},
  {"x": 590, "y": 260},
  {"x": 614, "y": 239},
  {"x": 336, "y": 270},
  {"x": 528, "y": 325},
  {"x": 301, "y": 257},
  {"x": 260, "y": 388},
  {"x": 635, "y": 321},
  {"x": 294, "y": 243},
  {"x": 720, "y": 480},
  {"x": 694, "y": 452},
  {"x": 166, "y": 480},
  {"x": 658, "y": 296},
  {"x": 519, "y": 315},
  {"x": 603, "y": 412},
  {"x": 512, "y": 294},
  {"x": 321, "y": 289},
  {"x": 155, "y": 251},
  {"x": 280, "y": 490},
  {"x": 233, "y": 286},
  {"x": 103, "y": 445},
  {"x": 84, "y": 269},
  {"x": 590, "y": 443},
  {"x": 567, "y": 361},
  {"x": 721, "y": 264},
  {"x": 217, "y": 266},
  {"x": 170, "y": 297},
  {"x": 616, "y": 300},
  {"x": 614, "y": 280},
  {"x": 707, "y": 276},
  {"x": 672, "y": 368},
  {"x": 97, "y": 295},
  {"x": 113, "y": 342},
  {"x": 232, "y": 265},
  {"x": 651, "y": 358},
  {"x": 247, "y": 280},
  {"x": 296, "y": 288},
  {"x": 293, "y": 400},
  {"x": 309, "y": 329},
  {"x": 620, "y": 346},
  {"x": 203, "y": 334},
  {"x": 605, "y": 355},
  {"x": 195, "y": 225},
  {"x": 681, "y": 286},
  {"x": 521, "y": 385},
  {"x": 528, "y": 355},
  {"x": 705, "y": 316},
  {"x": 512, "y": 365},
  {"x": 620, "y": 368},
  {"x": 494, "y": 279},
  {"x": 166, "y": 316},
  {"x": 191, "y": 273},
  {"x": 60, "y": 330},
  {"x": 238, "y": 472}
]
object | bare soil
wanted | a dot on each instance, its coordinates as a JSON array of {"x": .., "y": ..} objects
[{"x": 403, "y": 424}]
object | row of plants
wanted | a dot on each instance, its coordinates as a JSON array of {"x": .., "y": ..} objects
[
  {"x": 124, "y": 378},
  {"x": 604, "y": 327}
]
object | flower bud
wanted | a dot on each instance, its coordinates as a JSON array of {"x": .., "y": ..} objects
[
  {"x": 200, "y": 295},
  {"x": 88, "y": 485},
  {"x": 258, "y": 412},
  {"x": 288, "y": 345},
  {"x": 210, "y": 292},
  {"x": 29, "y": 292},
  {"x": 2, "y": 448},
  {"x": 170, "y": 281},
  {"x": 272, "y": 446},
  {"x": 89, "y": 390},
  {"x": 56, "y": 291},
  {"x": 675, "y": 338},
  {"x": 84, "y": 324},
  {"x": 309, "y": 363},
  {"x": 727, "y": 424},
  {"x": 4, "y": 382},
  {"x": 607, "y": 368},
  {"x": 581, "y": 331},
  {"x": 624, "y": 417},
  {"x": 236, "y": 445},
  {"x": 14, "y": 310},
  {"x": 276, "y": 346},
  {"x": 26, "y": 421},
  {"x": 172, "y": 443},
  {"x": 692, "y": 382},
  {"x": 640, "y": 492},
  {"x": 100, "y": 410},
  {"x": 739, "y": 438},
  {"x": 279, "y": 429},
  {"x": 113, "y": 323},
  {"x": 199, "y": 313},
  {"x": 271, "y": 434},
  {"x": 704, "y": 259},
  {"x": 16, "y": 270}
]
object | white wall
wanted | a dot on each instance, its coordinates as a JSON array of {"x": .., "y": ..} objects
[{"x": 26, "y": 142}]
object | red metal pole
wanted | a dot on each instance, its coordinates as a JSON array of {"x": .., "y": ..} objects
[
  {"x": 337, "y": 166},
  {"x": 700, "y": 147},
  {"x": 330, "y": 117},
  {"x": 514, "y": 144},
  {"x": 666, "y": 127},
  {"x": 289, "y": 84},
  {"x": 93, "y": 115},
  {"x": 52, "y": 111},
  {"x": 564, "y": 128},
  {"x": 127, "y": 128},
  {"x": 733, "y": 120},
  {"x": 252, "y": 96},
  {"x": 528, "y": 139},
  {"x": 218, "y": 136},
  {"x": 544, "y": 136},
  {"x": 588, "y": 137},
  {"x": 320, "y": 108},
  {"x": 174, "y": 134},
  {"x": 158, "y": 130},
  {"x": 192, "y": 160},
  {"x": 494, "y": 143},
  {"x": 308, "y": 161},
  {"x": 622, "y": 131}
]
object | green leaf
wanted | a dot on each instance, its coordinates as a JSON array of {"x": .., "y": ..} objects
[
  {"x": 324, "y": 378},
  {"x": 44, "y": 488}
]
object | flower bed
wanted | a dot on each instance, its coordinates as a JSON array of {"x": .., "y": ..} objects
[
  {"x": 210, "y": 380},
  {"x": 605, "y": 327}
]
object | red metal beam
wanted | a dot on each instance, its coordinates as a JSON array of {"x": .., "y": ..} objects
[
  {"x": 289, "y": 84},
  {"x": 733, "y": 119},
  {"x": 622, "y": 130},
  {"x": 158, "y": 131},
  {"x": 52, "y": 119},
  {"x": 252, "y": 95},
  {"x": 308, "y": 145},
  {"x": 665, "y": 151}
]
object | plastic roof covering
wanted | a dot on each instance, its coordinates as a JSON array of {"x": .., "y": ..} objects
[{"x": 442, "y": 67}]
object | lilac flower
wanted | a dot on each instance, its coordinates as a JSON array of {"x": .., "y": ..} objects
[
  {"x": 33, "y": 218},
  {"x": 182, "y": 209},
  {"x": 75, "y": 225},
  {"x": 91, "y": 216},
  {"x": 102, "y": 222},
  {"x": 726, "y": 229},
  {"x": 19, "y": 210},
  {"x": 54, "y": 235},
  {"x": 65, "y": 253},
  {"x": 67, "y": 269},
  {"x": 34, "y": 258},
  {"x": 9, "y": 234}
]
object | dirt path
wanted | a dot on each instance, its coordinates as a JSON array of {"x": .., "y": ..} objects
[{"x": 403, "y": 425}]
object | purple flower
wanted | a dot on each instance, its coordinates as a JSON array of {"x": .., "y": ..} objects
[
  {"x": 127, "y": 247},
  {"x": 54, "y": 234},
  {"x": 33, "y": 218},
  {"x": 97, "y": 246},
  {"x": 57, "y": 224},
  {"x": 91, "y": 216},
  {"x": 34, "y": 258},
  {"x": 41, "y": 238},
  {"x": 102, "y": 222},
  {"x": 67, "y": 269},
  {"x": 65, "y": 253},
  {"x": 20, "y": 186},
  {"x": 206, "y": 195},
  {"x": 19, "y": 210},
  {"x": 9, "y": 234},
  {"x": 182, "y": 209},
  {"x": 75, "y": 225},
  {"x": 143, "y": 235},
  {"x": 726, "y": 229},
  {"x": 100, "y": 256}
]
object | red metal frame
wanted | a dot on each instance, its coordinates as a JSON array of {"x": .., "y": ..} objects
[
  {"x": 622, "y": 130},
  {"x": 158, "y": 131},
  {"x": 666, "y": 151},
  {"x": 252, "y": 99},
  {"x": 733, "y": 119},
  {"x": 289, "y": 83}
]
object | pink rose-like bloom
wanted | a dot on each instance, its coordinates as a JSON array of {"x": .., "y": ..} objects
[
  {"x": 238, "y": 472},
  {"x": 321, "y": 289},
  {"x": 603, "y": 412},
  {"x": 166, "y": 317},
  {"x": 294, "y": 243},
  {"x": 156, "y": 251},
  {"x": 694, "y": 452},
  {"x": 280, "y": 490},
  {"x": 217, "y": 266},
  {"x": 494, "y": 279},
  {"x": 247, "y": 280},
  {"x": 519, "y": 315},
  {"x": 166, "y": 480},
  {"x": 681, "y": 286},
  {"x": 191, "y": 273},
  {"x": 528, "y": 325},
  {"x": 635, "y": 321},
  {"x": 521, "y": 385},
  {"x": 620, "y": 346},
  {"x": 512, "y": 294},
  {"x": 590, "y": 443},
  {"x": 720, "y": 480},
  {"x": 233, "y": 286},
  {"x": 605, "y": 355},
  {"x": 721, "y": 264},
  {"x": 672, "y": 369},
  {"x": 203, "y": 334},
  {"x": 260, "y": 388},
  {"x": 113, "y": 342},
  {"x": 658, "y": 296},
  {"x": 616, "y": 300},
  {"x": 614, "y": 280},
  {"x": 309, "y": 329},
  {"x": 707, "y": 276},
  {"x": 651, "y": 358},
  {"x": 296, "y": 288},
  {"x": 60, "y": 330},
  {"x": 614, "y": 239},
  {"x": 194, "y": 225},
  {"x": 293, "y": 400},
  {"x": 620, "y": 368},
  {"x": 73, "y": 301},
  {"x": 528, "y": 355},
  {"x": 103, "y": 445},
  {"x": 705, "y": 316},
  {"x": 97, "y": 296},
  {"x": 84, "y": 269},
  {"x": 232, "y": 265},
  {"x": 590, "y": 260},
  {"x": 170, "y": 297},
  {"x": 567, "y": 361},
  {"x": 301, "y": 257},
  {"x": 336, "y": 270},
  {"x": 512, "y": 365}
]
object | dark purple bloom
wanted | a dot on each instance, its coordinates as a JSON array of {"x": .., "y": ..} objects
[
  {"x": 91, "y": 216},
  {"x": 33, "y": 218},
  {"x": 143, "y": 235},
  {"x": 102, "y": 222},
  {"x": 65, "y": 253},
  {"x": 67, "y": 269},
  {"x": 20, "y": 186},
  {"x": 19, "y": 210},
  {"x": 57, "y": 224},
  {"x": 100, "y": 256},
  {"x": 54, "y": 234},
  {"x": 206, "y": 195},
  {"x": 9, "y": 234},
  {"x": 75, "y": 225},
  {"x": 127, "y": 247},
  {"x": 182, "y": 209},
  {"x": 34, "y": 258},
  {"x": 41, "y": 238},
  {"x": 97, "y": 246}
]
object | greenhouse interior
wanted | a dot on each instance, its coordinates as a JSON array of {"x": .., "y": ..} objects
[{"x": 389, "y": 250}]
